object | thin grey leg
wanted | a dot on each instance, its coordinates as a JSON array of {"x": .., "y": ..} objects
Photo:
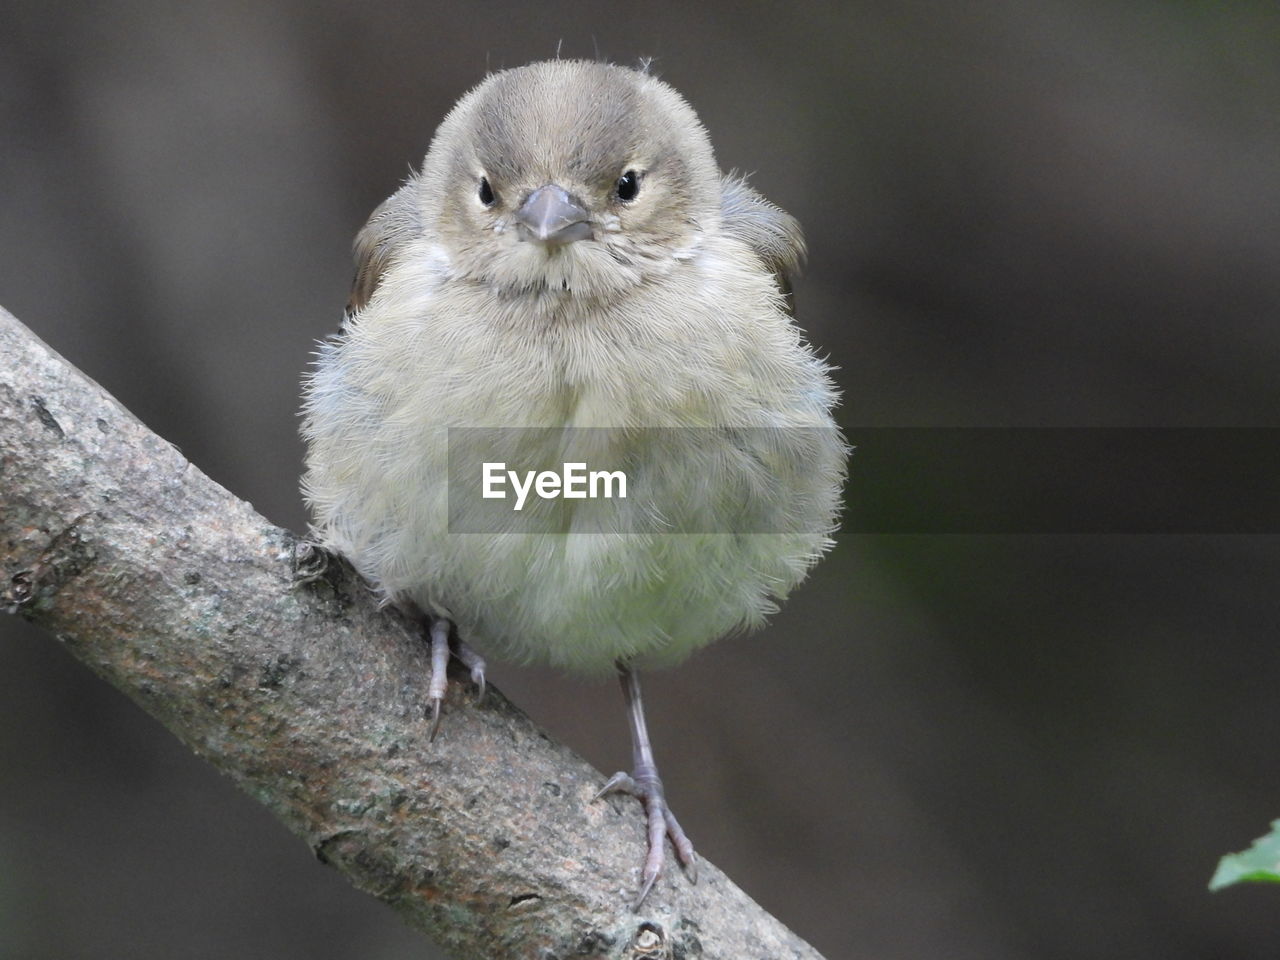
[
  {"x": 439, "y": 633},
  {"x": 644, "y": 783},
  {"x": 439, "y": 683}
]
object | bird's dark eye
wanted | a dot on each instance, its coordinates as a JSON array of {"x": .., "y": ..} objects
[
  {"x": 486, "y": 193},
  {"x": 628, "y": 186}
]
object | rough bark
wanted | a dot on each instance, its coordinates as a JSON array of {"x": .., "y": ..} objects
[{"x": 312, "y": 699}]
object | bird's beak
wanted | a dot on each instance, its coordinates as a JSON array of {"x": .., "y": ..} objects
[{"x": 551, "y": 217}]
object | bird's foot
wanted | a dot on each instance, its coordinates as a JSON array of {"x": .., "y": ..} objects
[
  {"x": 438, "y": 631},
  {"x": 473, "y": 662},
  {"x": 645, "y": 785}
]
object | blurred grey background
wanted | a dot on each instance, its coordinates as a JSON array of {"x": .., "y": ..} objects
[{"x": 1028, "y": 213}]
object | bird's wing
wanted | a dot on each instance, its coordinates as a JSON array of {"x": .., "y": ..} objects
[
  {"x": 766, "y": 228},
  {"x": 393, "y": 224}
]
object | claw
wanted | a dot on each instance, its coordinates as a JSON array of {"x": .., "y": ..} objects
[
  {"x": 650, "y": 880},
  {"x": 473, "y": 662},
  {"x": 435, "y": 719},
  {"x": 620, "y": 782}
]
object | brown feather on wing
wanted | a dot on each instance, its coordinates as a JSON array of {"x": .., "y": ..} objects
[
  {"x": 766, "y": 228},
  {"x": 393, "y": 224}
]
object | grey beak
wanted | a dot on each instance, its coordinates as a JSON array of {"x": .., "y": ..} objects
[{"x": 552, "y": 217}]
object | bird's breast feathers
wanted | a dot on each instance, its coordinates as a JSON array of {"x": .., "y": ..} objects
[{"x": 708, "y": 347}]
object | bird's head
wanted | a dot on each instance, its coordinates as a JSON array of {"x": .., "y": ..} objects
[{"x": 570, "y": 176}]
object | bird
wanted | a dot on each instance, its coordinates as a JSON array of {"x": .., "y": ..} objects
[{"x": 569, "y": 277}]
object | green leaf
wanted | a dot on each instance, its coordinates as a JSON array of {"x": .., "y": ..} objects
[{"x": 1259, "y": 864}]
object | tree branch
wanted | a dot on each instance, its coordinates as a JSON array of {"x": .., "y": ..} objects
[{"x": 312, "y": 700}]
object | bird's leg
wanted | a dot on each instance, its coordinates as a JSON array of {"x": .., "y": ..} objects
[
  {"x": 439, "y": 631},
  {"x": 473, "y": 662},
  {"x": 644, "y": 783}
]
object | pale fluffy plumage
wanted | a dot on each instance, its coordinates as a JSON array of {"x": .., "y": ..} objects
[{"x": 673, "y": 315}]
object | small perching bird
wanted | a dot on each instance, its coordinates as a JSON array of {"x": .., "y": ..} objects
[{"x": 571, "y": 278}]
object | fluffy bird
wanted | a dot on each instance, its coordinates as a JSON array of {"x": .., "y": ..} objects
[{"x": 571, "y": 277}]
